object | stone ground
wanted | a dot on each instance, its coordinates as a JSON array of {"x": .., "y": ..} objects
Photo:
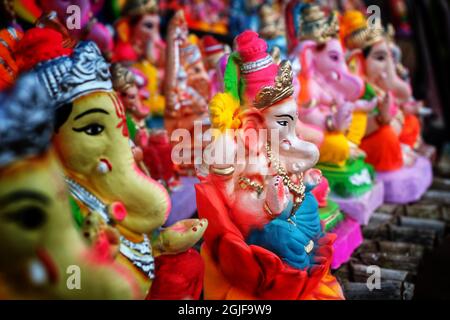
[{"x": 411, "y": 245}]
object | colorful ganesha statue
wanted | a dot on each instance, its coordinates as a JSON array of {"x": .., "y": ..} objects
[
  {"x": 391, "y": 130},
  {"x": 187, "y": 89},
  {"x": 92, "y": 140},
  {"x": 265, "y": 239},
  {"x": 139, "y": 43},
  {"x": 40, "y": 246},
  {"x": 90, "y": 28},
  {"x": 330, "y": 99},
  {"x": 155, "y": 148}
]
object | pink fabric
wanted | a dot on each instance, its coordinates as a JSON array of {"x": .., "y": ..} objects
[
  {"x": 349, "y": 238},
  {"x": 252, "y": 48}
]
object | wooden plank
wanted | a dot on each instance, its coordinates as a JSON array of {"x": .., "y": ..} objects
[
  {"x": 390, "y": 290},
  {"x": 360, "y": 274},
  {"x": 438, "y": 196}
]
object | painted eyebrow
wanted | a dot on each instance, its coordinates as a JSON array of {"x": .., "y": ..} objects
[
  {"x": 94, "y": 110},
  {"x": 24, "y": 195},
  {"x": 285, "y": 115}
]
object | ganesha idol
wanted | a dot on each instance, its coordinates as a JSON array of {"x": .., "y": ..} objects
[
  {"x": 139, "y": 43},
  {"x": 187, "y": 89},
  {"x": 41, "y": 251},
  {"x": 264, "y": 239},
  {"x": 89, "y": 27},
  {"x": 331, "y": 100},
  {"x": 391, "y": 132},
  {"x": 92, "y": 141}
]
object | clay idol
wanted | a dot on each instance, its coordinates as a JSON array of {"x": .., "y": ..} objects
[
  {"x": 265, "y": 238},
  {"x": 42, "y": 254}
]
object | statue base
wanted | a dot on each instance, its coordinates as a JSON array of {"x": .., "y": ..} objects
[
  {"x": 351, "y": 180},
  {"x": 349, "y": 238},
  {"x": 331, "y": 215},
  {"x": 361, "y": 208},
  {"x": 407, "y": 184},
  {"x": 183, "y": 198}
]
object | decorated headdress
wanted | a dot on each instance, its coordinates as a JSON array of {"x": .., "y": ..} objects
[
  {"x": 262, "y": 82},
  {"x": 122, "y": 77},
  {"x": 315, "y": 25},
  {"x": 8, "y": 67},
  {"x": 251, "y": 79},
  {"x": 356, "y": 33},
  {"x": 139, "y": 7},
  {"x": 26, "y": 117},
  {"x": 65, "y": 73}
]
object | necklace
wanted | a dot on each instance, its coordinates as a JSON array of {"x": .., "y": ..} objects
[
  {"x": 297, "y": 190},
  {"x": 139, "y": 253}
]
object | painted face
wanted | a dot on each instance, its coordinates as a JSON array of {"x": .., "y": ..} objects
[
  {"x": 330, "y": 63},
  {"x": 296, "y": 155},
  {"x": 94, "y": 147},
  {"x": 147, "y": 29},
  {"x": 132, "y": 101},
  {"x": 38, "y": 239},
  {"x": 198, "y": 78},
  {"x": 381, "y": 70}
]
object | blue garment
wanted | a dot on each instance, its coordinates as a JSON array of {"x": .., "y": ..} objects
[{"x": 287, "y": 240}]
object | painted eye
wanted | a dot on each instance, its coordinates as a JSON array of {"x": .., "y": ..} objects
[
  {"x": 334, "y": 57},
  {"x": 91, "y": 129},
  {"x": 282, "y": 123},
  {"x": 28, "y": 218}
]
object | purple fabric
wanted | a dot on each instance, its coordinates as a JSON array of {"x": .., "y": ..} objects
[
  {"x": 407, "y": 184},
  {"x": 184, "y": 204},
  {"x": 349, "y": 238},
  {"x": 361, "y": 208}
]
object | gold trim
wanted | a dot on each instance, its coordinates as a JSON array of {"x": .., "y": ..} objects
[{"x": 282, "y": 89}]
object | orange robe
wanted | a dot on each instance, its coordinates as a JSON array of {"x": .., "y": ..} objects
[
  {"x": 383, "y": 149},
  {"x": 235, "y": 270}
]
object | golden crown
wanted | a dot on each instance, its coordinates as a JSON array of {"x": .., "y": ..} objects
[
  {"x": 316, "y": 26},
  {"x": 139, "y": 7},
  {"x": 282, "y": 89}
]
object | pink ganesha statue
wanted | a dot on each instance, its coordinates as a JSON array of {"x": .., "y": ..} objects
[
  {"x": 265, "y": 239},
  {"x": 330, "y": 99},
  {"x": 391, "y": 131}
]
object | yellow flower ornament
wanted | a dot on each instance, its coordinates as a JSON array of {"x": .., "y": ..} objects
[{"x": 224, "y": 112}]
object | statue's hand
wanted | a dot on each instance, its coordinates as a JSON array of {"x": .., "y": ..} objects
[
  {"x": 366, "y": 106},
  {"x": 276, "y": 196},
  {"x": 312, "y": 177},
  {"x": 343, "y": 116},
  {"x": 181, "y": 236}
]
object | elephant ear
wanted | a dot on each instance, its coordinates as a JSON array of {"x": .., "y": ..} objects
[
  {"x": 355, "y": 61},
  {"x": 306, "y": 56},
  {"x": 252, "y": 122}
]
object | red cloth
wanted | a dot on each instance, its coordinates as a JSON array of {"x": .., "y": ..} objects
[
  {"x": 383, "y": 149},
  {"x": 411, "y": 131},
  {"x": 178, "y": 277},
  {"x": 251, "y": 268}
]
